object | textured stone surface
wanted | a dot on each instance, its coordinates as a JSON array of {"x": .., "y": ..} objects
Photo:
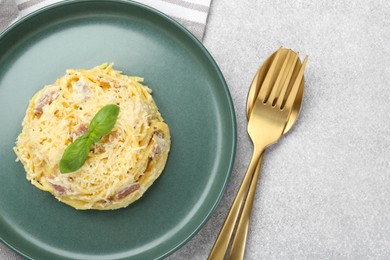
[{"x": 324, "y": 191}]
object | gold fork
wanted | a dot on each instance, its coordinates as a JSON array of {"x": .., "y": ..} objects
[
  {"x": 268, "y": 119},
  {"x": 239, "y": 241}
]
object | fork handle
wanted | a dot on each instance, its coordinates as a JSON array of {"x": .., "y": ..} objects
[
  {"x": 220, "y": 247},
  {"x": 239, "y": 241}
]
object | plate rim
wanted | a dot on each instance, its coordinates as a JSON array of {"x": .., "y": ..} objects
[{"x": 211, "y": 61}]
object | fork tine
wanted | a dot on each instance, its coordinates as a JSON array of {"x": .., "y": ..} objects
[
  {"x": 266, "y": 86},
  {"x": 279, "y": 79},
  {"x": 294, "y": 90},
  {"x": 286, "y": 83}
]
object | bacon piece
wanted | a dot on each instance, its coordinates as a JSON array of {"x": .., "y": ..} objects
[
  {"x": 156, "y": 151},
  {"x": 46, "y": 98},
  {"x": 82, "y": 88},
  {"x": 111, "y": 136},
  {"x": 98, "y": 148},
  {"x": 126, "y": 191},
  {"x": 60, "y": 190},
  {"x": 159, "y": 133},
  {"x": 82, "y": 129},
  {"x": 157, "y": 137}
]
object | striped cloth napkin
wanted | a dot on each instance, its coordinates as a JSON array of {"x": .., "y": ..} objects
[{"x": 192, "y": 14}]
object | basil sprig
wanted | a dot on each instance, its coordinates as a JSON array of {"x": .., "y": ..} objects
[{"x": 76, "y": 153}]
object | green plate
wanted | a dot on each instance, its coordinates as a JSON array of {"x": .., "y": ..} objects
[{"x": 190, "y": 92}]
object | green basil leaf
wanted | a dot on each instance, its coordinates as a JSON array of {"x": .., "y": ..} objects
[
  {"x": 93, "y": 138},
  {"x": 75, "y": 154},
  {"x": 104, "y": 121}
]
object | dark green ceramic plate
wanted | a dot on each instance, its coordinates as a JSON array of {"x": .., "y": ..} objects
[{"x": 192, "y": 96}]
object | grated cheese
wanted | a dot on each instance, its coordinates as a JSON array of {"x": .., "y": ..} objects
[{"x": 125, "y": 157}]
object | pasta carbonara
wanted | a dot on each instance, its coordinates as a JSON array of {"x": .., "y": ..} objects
[{"x": 121, "y": 167}]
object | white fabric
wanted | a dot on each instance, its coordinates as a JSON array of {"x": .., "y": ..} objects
[{"x": 192, "y": 14}]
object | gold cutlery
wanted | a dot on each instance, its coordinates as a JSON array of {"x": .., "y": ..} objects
[{"x": 273, "y": 105}]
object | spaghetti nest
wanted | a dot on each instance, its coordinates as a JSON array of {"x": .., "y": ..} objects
[{"x": 121, "y": 167}]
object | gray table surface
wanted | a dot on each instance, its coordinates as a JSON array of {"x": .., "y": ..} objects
[{"x": 324, "y": 191}]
